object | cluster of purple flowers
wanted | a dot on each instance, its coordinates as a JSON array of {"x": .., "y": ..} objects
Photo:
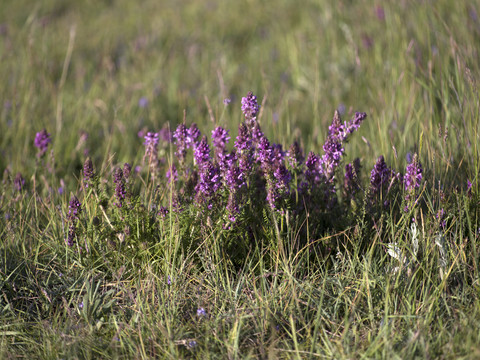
[
  {"x": 151, "y": 148},
  {"x": 413, "y": 176},
  {"x": 380, "y": 175},
  {"x": 250, "y": 108},
  {"x": 185, "y": 138},
  {"x": 383, "y": 178},
  {"x": 42, "y": 139},
  {"x": 333, "y": 147},
  {"x": 255, "y": 167}
]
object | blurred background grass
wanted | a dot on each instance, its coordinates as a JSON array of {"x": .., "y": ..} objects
[
  {"x": 83, "y": 67},
  {"x": 75, "y": 67}
]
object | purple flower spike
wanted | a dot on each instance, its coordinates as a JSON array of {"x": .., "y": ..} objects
[
  {"x": 312, "y": 174},
  {"x": 265, "y": 152},
  {"x": 163, "y": 212},
  {"x": 220, "y": 138},
  {"x": 380, "y": 12},
  {"x": 380, "y": 175},
  {"x": 355, "y": 123},
  {"x": 350, "y": 183},
  {"x": 42, "y": 139},
  {"x": 201, "y": 312},
  {"x": 88, "y": 172},
  {"x": 74, "y": 209},
  {"x": 120, "y": 192},
  {"x": 333, "y": 147},
  {"x": 202, "y": 153},
  {"x": 469, "y": 188},
  {"x": 18, "y": 182},
  {"x": 193, "y": 134},
  {"x": 151, "y": 144},
  {"x": 413, "y": 176},
  {"x": 283, "y": 178},
  {"x": 127, "y": 171},
  {"x": 181, "y": 141},
  {"x": 295, "y": 156},
  {"x": 209, "y": 181},
  {"x": 165, "y": 135},
  {"x": 244, "y": 141},
  {"x": 232, "y": 208},
  {"x": 143, "y": 102},
  {"x": 250, "y": 107}
]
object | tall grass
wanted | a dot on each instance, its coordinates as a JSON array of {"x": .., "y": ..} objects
[{"x": 358, "y": 280}]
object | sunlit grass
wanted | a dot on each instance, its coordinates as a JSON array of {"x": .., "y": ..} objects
[{"x": 345, "y": 285}]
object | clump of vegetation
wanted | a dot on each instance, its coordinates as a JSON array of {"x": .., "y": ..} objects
[{"x": 150, "y": 207}]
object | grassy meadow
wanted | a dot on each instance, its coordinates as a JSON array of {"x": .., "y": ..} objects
[{"x": 281, "y": 234}]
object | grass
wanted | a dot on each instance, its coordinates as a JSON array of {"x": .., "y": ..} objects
[{"x": 349, "y": 284}]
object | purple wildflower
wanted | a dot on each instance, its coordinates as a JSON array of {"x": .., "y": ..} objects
[
  {"x": 278, "y": 155},
  {"x": 380, "y": 12},
  {"x": 127, "y": 171},
  {"x": 232, "y": 207},
  {"x": 226, "y": 101},
  {"x": 244, "y": 141},
  {"x": 202, "y": 153},
  {"x": 120, "y": 192},
  {"x": 193, "y": 134},
  {"x": 220, "y": 138},
  {"x": 162, "y": 212},
  {"x": 180, "y": 135},
  {"x": 88, "y": 173},
  {"x": 337, "y": 129},
  {"x": 42, "y": 139},
  {"x": 333, "y": 147},
  {"x": 350, "y": 183},
  {"x": 18, "y": 182},
  {"x": 333, "y": 151},
  {"x": 209, "y": 181},
  {"x": 142, "y": 132},
  {"x": 250, "y": 107},
  {"x": 469, "y": 188},
  {"x": 165, "y": 135},
  {"x": 201, "y": 312},
  {"x": 409, "y": 157},
  {"x": 272, "y": 196},
  {"x": 245, "y": 164},
  {"x": 283, "y": 178},
  {"x": 380, "y": 175},
  {"x": 257, "y": 133},
  {"x": 264, "y": 152},
  {"x": 312, "y": 175},
  {"x": 74, "y": 209},
  {"x": 355, "y": 123},
  {"x": 143, "y": 102},
  {"x": 151, "y": 144},
  {"x": 413, "y": 176},
  {"x": 234, "y": 177},
  {"x": 295, "y": 156}
]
